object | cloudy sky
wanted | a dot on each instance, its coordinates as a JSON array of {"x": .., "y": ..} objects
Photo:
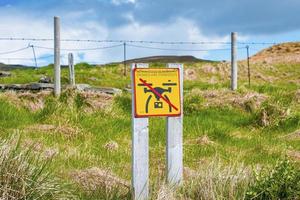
[{"x": 155, "y": 20}]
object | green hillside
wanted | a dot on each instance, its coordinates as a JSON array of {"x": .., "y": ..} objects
[{"x": 226, "y": 134}]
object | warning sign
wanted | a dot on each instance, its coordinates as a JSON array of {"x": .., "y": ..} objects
[{"x": 156, "y": 92}]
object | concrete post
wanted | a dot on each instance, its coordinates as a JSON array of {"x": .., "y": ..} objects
[
  {"x": 174, "y": 147},
  {"x": 71, "y": 70},
  {"x": 57, "y": 81},
  {"x": 140, "y": 149},
  {"x": 234, "y": 67}
]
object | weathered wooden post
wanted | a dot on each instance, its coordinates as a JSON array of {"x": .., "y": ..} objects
[
  {"x": 71, "y": 70},
  {"x": 57, "y": 83},
  {"x": 140, "y": 148},
  {"x": 174, "y": 148},
  {"x": 234, "y": 67}
]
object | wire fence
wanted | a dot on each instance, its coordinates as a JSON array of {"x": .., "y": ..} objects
[{"x": 45, "y": 52}]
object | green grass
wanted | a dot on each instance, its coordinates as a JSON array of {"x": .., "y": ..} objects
[{"x": 234, "y": 133}]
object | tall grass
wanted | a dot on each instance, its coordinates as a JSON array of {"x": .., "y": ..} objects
[
  {"x": 26, "y": 176},
  {"x": 218, "y": 181}
]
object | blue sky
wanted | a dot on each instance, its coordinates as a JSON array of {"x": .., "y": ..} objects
[{"x": 160, "y": 20}]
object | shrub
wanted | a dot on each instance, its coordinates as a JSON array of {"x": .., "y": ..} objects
[
  {"x": 283, "y": 182},
  {"x": 218, "y": 181},
  {"x": 25, "y": 176},
  {"x": 123, "y": 102},
  {"x": 49, "y": 108},
  {"x": 192, "y": 103}
]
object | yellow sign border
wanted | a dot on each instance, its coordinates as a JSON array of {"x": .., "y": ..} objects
[{"x": 156, "y": 115}]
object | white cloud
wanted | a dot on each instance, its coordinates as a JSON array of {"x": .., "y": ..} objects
[
  {"x": 17, "y": 25},
  {"x": 119, "y": 2}
]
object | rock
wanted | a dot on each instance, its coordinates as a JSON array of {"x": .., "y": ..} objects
[
  {"x": 82, "y": 87},
  {"x": 45, "y": 79},
  {"x": 103, "y": 90},
  {"x": 31, "y": 86},
  {"x": 5, "y": 74},
  {"x": 93, "y": 79},
  {"x": 14, "y": 87},
  {"x": 39, "y": 86}
]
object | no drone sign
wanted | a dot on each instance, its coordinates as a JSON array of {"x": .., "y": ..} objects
[{"x": 157, "y": 92}]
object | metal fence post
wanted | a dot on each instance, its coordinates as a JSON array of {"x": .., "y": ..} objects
[
  {"x": 140, "y": 149},
  {"x": 174, "y": 147},
  {"x": 248, "y": 63},
  {"x": 57, "y": 83},
  {"x": 234, "y": 67}
]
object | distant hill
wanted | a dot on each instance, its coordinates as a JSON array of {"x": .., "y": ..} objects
[
  {"x": 167, "y": 59},
  {"x": 5, "y": 67},
  {"x": 151, "y": 59},
  {"x": 280, "y": 53}
]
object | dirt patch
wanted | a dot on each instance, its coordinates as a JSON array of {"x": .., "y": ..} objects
[
  {"x": 264, "y": 118},
  {"x": 213, "y": 80},
  {"x": 39, "y": 148},
  {"x": 209, "y": 69},
  {"x": 190, "y": 74},
  {"x": 293, "y": 136},
  {"x": 267, "y": 79},
  {"x": 50, "y": 152},
  {"x": 65, "y": 129},
  {"x": 204, "y": 140},
  {"x": 32, "y": 145},
  {"x": 31, "y": 101},
  {"x": 96, "y": 101},
  {"x": 294, "y": 154},
  {"x": 95, "y": 178},
  {"x": 249, "y": 101},
  {"x": 189, "y": 173},
  {"x": 166, "y": 193},
  {"x": 224, "y": 69},
  {"x": 281, "y": 53},
  {"x": 297, "y": 95},
  {"x": 111, "y": 146}
]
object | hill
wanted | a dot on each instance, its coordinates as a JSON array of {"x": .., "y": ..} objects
[
  {"x": 167, "y": 59},
  {"x": 5, "y": 67},
  {"x": 280, "y": 53}
]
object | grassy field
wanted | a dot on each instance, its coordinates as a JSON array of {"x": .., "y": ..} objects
[{"x": 225, "y": 133}]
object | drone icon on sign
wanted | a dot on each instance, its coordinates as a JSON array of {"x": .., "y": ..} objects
[{"x": 159, "y": 93}]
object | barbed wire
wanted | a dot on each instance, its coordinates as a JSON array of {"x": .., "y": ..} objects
[
  {"x": 14, "y": 51},
  {"x": 138, "y": 41},
  {"x": 168, "y": 49},
  {"x": 16, "y": 58},
  {"x": 84, "y": 49}
]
